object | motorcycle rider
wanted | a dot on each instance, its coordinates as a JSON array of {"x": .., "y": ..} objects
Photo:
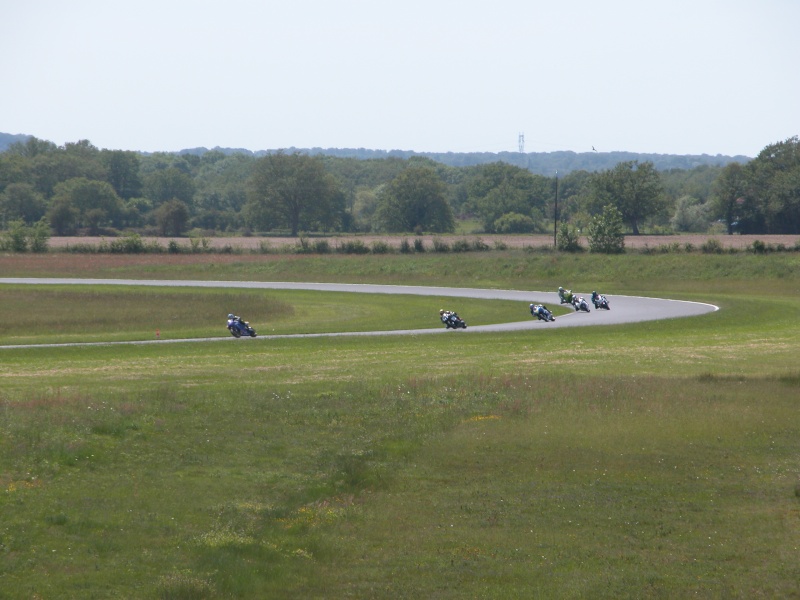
[
  {"x": 599, "y": 300},
  {"x": 579, "y": 302},
  {"x": 565, "y": 295},
  {"x": 538, "y": 309},
  {"x": 446, "y": 315}
]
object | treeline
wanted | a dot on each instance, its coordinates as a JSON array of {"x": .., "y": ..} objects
[
  {"x": 80, "y": 189},
  {"x": 540, "y": 163}
]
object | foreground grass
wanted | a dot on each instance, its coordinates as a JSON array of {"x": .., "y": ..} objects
[
  {"x": 655, "y": 460},
  {"x": 484, "y": 485}
]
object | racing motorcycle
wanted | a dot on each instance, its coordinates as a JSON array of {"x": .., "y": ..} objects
[
  {"x": 541, "y": 312},
  {"x": 453, "y": 321},
  {"x": 579, "y": 303},
  {"x": 600, "y": 301},
  {"x": 238, "y": 328}
]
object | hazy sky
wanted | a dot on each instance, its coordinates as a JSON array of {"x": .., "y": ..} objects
[{"x": 671, "y": 77}]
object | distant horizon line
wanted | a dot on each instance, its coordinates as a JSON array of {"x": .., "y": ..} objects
[
  {"x": 402, "y": 151},
  {"x": 391, "y": 151}
]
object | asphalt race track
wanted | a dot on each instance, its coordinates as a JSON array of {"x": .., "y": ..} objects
[{"x": 624, "y": 309}]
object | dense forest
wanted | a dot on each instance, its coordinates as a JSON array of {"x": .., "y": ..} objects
[{"x": 78, "y": 188}]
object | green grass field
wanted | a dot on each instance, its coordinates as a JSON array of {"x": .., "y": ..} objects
[
  {"x": 76, "y": 313},
  {"x": 656, "y": 460}
]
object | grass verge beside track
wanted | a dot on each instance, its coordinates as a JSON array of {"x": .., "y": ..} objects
[{"x": 76, "y": 313}]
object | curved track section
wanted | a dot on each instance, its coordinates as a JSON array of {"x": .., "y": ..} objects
[{"x": 624, "y": 309}]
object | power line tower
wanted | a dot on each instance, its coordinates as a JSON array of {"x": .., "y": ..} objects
[{"x": 521, "y": 142}]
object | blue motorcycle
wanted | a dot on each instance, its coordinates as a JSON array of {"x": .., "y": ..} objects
[
  {"x": 541, "y": 312},
  {"x": 238, "y": 328}
]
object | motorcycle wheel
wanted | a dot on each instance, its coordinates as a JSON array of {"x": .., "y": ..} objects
[
  {"x": 235, "y": 333},
  {"x": 252, "y": 334}
]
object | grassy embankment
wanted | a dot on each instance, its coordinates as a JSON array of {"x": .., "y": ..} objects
[{"x": 652, "y": 460}]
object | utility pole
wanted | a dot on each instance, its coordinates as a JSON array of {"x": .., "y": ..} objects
[{"x": 555, "y": 217}]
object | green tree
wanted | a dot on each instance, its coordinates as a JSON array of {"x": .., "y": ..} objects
[
  {"x": 52, "y": 168},
  {"x": 691, "y": 215},
  {"x": 63, "y": 216},
  {"x": 784, "y": 202},
  {"x": 697, "y": 182},
  {"x": 772, "y": 201},
  {"x": 95, "y": 202},
  {"x": 362, "y": 211},
  {"x": 221, "y": 183},
  {"x": 728, "y": 195},
  {"x": 514, "y": 223},
  {"x": 123, "y": 172},
  {"x": 568, "y": 238},
  {"x": 165, "y": 184},
  {"x": 172, "y": 217},
  {"x": 17, "y": 236},
  {"x": 39, "y": 236},
  {"x": 500, "y": 188},
  {"x": 134, "y": 211},
  {"x": 605, "y": 232},
  {"x": 22, "y": 201},
  {"x": 15, "y": 168},
  {"x": 294, "y": 191},
  {"x": 634, "y": 189},
  {"x": 82, "y": 148},
  {"x": 575, "y": 193},
  {"x": 32, "y": 147},
  {"x": 415, "y": 200}
]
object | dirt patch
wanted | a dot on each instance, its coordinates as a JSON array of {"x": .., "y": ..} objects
[{"x": 511, "y": 241}]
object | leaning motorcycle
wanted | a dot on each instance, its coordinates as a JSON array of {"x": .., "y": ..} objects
[
  {"x": 579, "y": 303},
  {"x": 541, "y": 312},
  {"x": 600, "y": 301},
  {"x": 453, "y": 321},
  {"x": 238, "y": 328}
]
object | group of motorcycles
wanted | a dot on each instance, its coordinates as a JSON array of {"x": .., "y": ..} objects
[
  {"x": 452, "y": 321},
  {"x": 579, "y": 302},
  {"x": 239, "y": 327}
]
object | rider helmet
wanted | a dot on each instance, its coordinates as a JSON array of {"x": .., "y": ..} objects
[
  {"x": 441, "y": 312},
  {"x": 230, "y": 316}
]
